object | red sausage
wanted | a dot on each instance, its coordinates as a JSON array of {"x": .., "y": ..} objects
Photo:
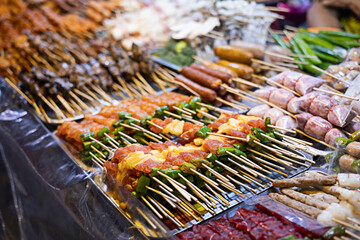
[
  {"x": 205, "y": 93},
  {"x": 201, "y": 78},
  {"x": 225, "y": 77}
]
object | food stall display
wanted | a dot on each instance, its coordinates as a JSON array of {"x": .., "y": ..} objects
[{"x": 181, "y": 119}]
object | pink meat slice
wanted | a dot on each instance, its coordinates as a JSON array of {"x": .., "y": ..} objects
[
  {"x": 291, "y": 78},
  {"x": 293, "y": 105},
  {"x": 304, "y": 101},
  {"x": 274, "y": 114},
  {"x": 305, "y": 84},
  {"x": 332, "y": 134},
  {"x": 321, "y": 105},
  {"x": 259, "y": 111},
  {"x": 286, "y": 122},
  {"x": 341, "y": 115},
  {"x": 264, "y": 92},
  {"x": 317, "y": 127},
  {"x": 280, "y": 97},
  {"x": 278, "y": 78},
  {"x": 301, "y": 119}
]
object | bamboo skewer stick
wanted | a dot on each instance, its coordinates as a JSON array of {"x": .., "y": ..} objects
[
  {"x": 269, "y": 64},
  {"x": 294, "y": 139},
  {"x": 276, "y": 84},
  {"x": 230, "y": 104},
  {"x": 336, "y": 94},
  {"x": 283, "y": 129},
  {"x": 312, "y": 138},
  {"x": 243, "y": 81},
  {"x": 214, "y": 108},
  {"x": 327, "y": 73}
]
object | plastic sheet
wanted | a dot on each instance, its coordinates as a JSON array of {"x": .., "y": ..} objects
[{"x": 45, "y": 194}]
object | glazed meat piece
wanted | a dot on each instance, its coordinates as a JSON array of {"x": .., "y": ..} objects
[
  {"x": 301, "y": 119},
  {"x": 264, "y": 92},
  {"x": 341, "y": 115},
  {"x": 286, "y": 122},
  {"x": 291, "y": 78},
  {"x": 274, "y": 114},
  {"x": 259, "y": 111},
  {"x": 317, "y": 127},
  {"x": 306, "y": 84},
  {"x": 280, "y": 97},
  {"x": 332, "y": 134},
  {"x": 293, "y": 105},
  {"x": 321, "y": 105}
]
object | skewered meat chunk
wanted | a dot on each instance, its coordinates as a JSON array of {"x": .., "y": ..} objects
[
  {"x": 305, "y": 84},
  {"x": 293, "y": 105},
  {"x": 305, "y": 198},
  {"x": 324, "y": 197},
  {"x": 274, "y": 114},
  {"x": 321, "y": 105},
  {"x": 286, "y": 122},
  {"x": 310, "y": 180},
  {"x": 290, "y": 79},
  {"x": 341, "y": 115},
  {"x": 331, "y": 136},
  {"x": 317, "y": 127},
  {"x": 301, "y": 119},
  {"x": 264, "y": 92},
  {"x": 280, "y": 97},
  {"x": 296, "y": 204},
  {"x": 259, "y": 111},
  {"x": 353, "y": 149},
  {"x": 352, "y": 126},
  {"x": 306, "y": 100}
]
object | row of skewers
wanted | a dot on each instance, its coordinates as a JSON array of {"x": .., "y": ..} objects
[{"x": 193, "y": 163}]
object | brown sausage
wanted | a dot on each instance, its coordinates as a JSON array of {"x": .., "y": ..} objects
[
  {"x": 242, "y": 70},
  {"x": 205, "y": 93},
  {"x": 345, "y": 162},
  {"x": 201, "y": 78},
  {"x": 225, "y": 77},
  {"x": 233, "y": 54},
  {"x": 353, "y": 149},
  {"x": 219, "y": 68}
]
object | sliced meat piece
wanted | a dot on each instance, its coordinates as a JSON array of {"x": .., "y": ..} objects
[
  {"x": 321, "y": 105},
  {"x": 291, "y": 78},
  {"x": 280, "y": 97},
  {"x": 264, "y": 92},
  {"x": 332, "y": 134},
  {"x": 306, "y": 100},
  {"x": 341, "y": 115},
  {"x": 293, "y": 105},
  {"x": 274, "y": 114},
  {"x": 305, "y": 84},
  {"x": 301, "y": 119},
  {"x": 259, "y": 111},
  {"x": 317, "y": 127},
  {"x": 286, "y": 122}
]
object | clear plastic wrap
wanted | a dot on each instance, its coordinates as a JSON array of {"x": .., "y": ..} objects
[{"x": 46, "y": 195}]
